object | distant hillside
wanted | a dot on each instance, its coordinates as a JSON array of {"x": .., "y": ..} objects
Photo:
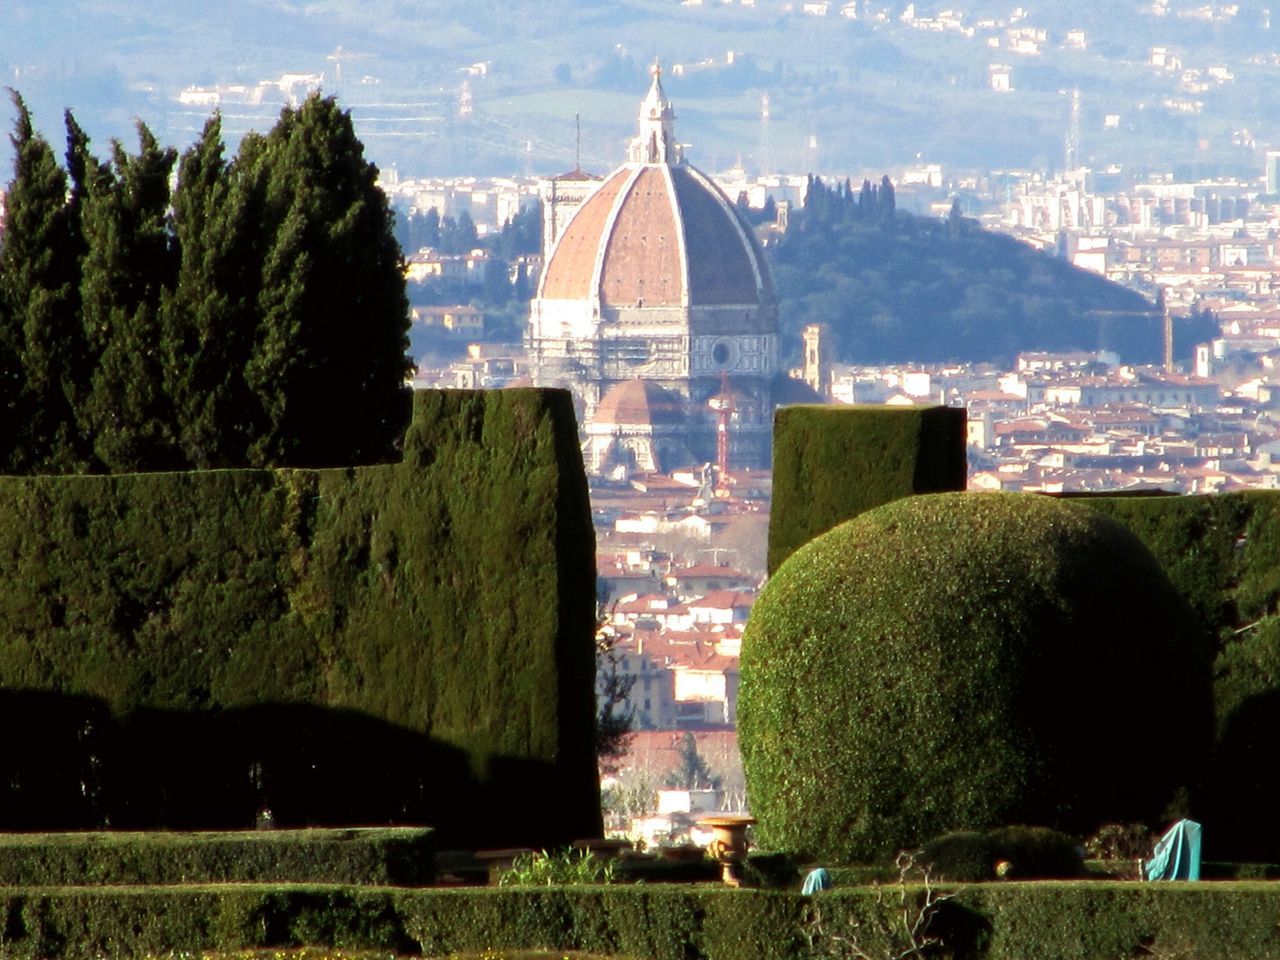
[
  {"x": 893, "y": 287},
  {"x": 870, "y": 91}
]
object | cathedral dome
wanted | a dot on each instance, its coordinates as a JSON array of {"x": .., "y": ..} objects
[
  {"x": 638, "y": 403},
  {"x": 657, "y": 232},
  {"x": 657, "y": 235},
  {"x": 654, "y": 289}
]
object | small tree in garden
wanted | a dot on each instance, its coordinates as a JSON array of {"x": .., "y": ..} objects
[{"x": 692, "y": 772}]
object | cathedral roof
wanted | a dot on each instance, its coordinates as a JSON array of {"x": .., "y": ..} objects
[
  {"x": 657, "y": 235},
  {"x": 657, "y": 232},
  {"x": 638, "y": 403}
]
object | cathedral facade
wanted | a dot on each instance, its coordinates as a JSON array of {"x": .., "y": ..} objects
[{"x": 655, "y": 288}]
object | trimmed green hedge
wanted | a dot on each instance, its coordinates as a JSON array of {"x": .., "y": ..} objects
[
  {"x": 832, "y": 463},
  {"x": 1222, "y": 553},
  {"x": 1014, "y": 921},
  {"x": 405, "y": 643},
  {"x": 361, "y": 855},
  {"x": 933, "y": 665}
]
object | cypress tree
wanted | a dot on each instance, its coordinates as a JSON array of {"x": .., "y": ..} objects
[
  {"x": 208, "y": 322},
  {"x": 129, "y": 266},
  {"x": 39, "y": 326},
  {"x": 329, "y": 364},
  {"x": 888, "y": 203}
]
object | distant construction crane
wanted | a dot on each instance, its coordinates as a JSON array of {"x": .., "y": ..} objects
[
  {"x": 722, "y": 404},
  {"x": 338, "y": 57}
]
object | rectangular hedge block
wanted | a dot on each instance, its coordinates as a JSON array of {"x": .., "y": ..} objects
[
  {"x": 358, "y": 855},
  {"x": 831, "y": 463},
  {"x": 1222, "y": 553},
  {"x": 406, "y": 643}
]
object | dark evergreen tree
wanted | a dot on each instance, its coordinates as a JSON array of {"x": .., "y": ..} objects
[
  {"x": 458, "y": 235},
  {"x": 692, "y": 773},
  {"x": 430, "y": 229},
  {"x": 82, "y": 167},
  {"x": 39, "y": 328},
  {"x": 129, "y": 266},
  {"x": 955, "y": 219},
  {"x": 888, "y": 203},
  {"x": 866, "y": 200},
  {"x": 329, "y": 366},
  {"x": 210, "y": 320}
]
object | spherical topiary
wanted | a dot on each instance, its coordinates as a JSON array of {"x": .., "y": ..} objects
[{"x": 964, "y": 661}]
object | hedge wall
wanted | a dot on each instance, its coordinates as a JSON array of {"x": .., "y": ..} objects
[
  {"x": 407, "y": 643},
  {"x": 362, "y": 855},
  {"x": 832, "y": 463},
  {"x": 1222, "y": 552},
  {"x": 1047, "y": 921}
]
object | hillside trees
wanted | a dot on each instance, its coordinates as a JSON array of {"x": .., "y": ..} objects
[
  {"x": 254, "y": 316},
  {"x": 893, "y": 286}
]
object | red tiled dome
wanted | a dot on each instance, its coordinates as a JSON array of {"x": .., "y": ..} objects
[
  {"x": 638, "y": 403},
  {"x": 657, "y": 235}
]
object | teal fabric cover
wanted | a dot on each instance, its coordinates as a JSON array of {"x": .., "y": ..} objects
[
  {"x": 816, "y": 880},
  {"x": 1177, "y": 855}
]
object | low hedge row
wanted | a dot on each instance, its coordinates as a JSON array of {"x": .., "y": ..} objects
[
  {"x": 362, "y": 855},
  {"x": 1048, "y": 921}
]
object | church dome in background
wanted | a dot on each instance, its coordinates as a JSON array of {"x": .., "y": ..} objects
[
  {"x": 657, "y": 235},
  {"x": 639, "y": 403},
  {"x": 655, "y": 290}
]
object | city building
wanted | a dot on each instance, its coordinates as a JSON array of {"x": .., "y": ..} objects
[{"x": 656, "y": 278}]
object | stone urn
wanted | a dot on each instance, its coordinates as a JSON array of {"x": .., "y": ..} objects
[{"x": 728, "y": 845}]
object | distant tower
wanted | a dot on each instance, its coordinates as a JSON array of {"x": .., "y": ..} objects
[
  {"x": 766, "y": 163},
  {"x": 1072, "y": 150},
  {"x": 811, "y": 155},
  {"x": 1273, "y": 172},
  {"x": 816, "y": 371},
  {"x": 466, "y": 106}
]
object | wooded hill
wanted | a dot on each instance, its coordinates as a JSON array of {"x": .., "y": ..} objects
[{"x": 895, "y": 287}]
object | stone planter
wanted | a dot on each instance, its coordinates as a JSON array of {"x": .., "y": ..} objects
[{"x": 728, "y": 845}]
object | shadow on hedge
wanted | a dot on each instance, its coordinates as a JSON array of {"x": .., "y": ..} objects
[
  {"x": 67, "y": 764},
  {"x": 1240, "y": 817}
]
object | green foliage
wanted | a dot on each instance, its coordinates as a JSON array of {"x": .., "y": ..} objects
[
  {"x": 926, "y": 666},
  {"x": 1120, "y": 841},
  {"x": 1223, "y": 555},
  {"x": 544, "y": 869},
  {"x": 691, "y": 771},
  {"x": 41, "y": 342},
  {"x": 830, "y": 464},
  {"x": 329, "y": 365},
  {"x": 129, "y": 264},
  {"x": 361, "y": 856},
  {"x": 1032, "y": 853},
  {"x": 256, "y": 317},
  {"x": 893, "y": 286},
  {"x": 1072, "y": 921},
  {"x": 399, "y": 643}
]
